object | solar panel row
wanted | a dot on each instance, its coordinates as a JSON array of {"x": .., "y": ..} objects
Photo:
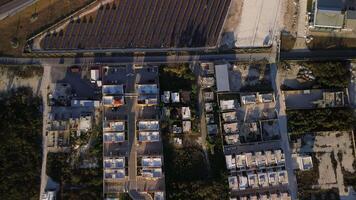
[{"x": 144, "y": 24}]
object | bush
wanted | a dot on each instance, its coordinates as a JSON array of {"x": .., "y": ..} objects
[
  {"x": 20, "y": 141},
  {"x": 327, "y": 119}
]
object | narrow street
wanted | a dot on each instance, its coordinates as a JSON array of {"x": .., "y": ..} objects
[
  {"x": 46, "y": 80},
  {"x": 282, "y": 118}
]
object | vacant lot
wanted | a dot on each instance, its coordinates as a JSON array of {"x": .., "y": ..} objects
[
  {"x": 258, "y": 22},
  {"x": 143, "y": 24},
  {"x": 19, "y": 27}
]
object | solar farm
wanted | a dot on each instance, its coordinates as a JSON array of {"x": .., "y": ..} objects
[{"x": 136, "y": 24}]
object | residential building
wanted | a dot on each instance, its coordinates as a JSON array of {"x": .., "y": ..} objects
[{"x": 329, "y": 14}]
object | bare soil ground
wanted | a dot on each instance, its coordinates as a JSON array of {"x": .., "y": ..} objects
[
  {"x": 19, "y": 26},
  {"x": 10, "y": 79},
  {"x": 232, "y": 21}
]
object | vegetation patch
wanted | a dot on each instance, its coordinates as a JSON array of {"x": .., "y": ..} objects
[
  {"x": 176, "y": 77},
  {"x": 327, "y": 119},
  {"x": 77, "y": 181},
  {"x": 23, "y": 71},
  {"x": 197, "y": 182},
  {"x": 330, "y": 74},
  {"x": 20, "y": 141}
]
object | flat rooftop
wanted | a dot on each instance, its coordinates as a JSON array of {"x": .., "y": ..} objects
[{"x": 134, "y": 24}]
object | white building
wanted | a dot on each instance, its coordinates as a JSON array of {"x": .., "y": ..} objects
[
  {"x": 148, "y": 136},
  {"x": 228, "y": 105},
  {"x": 186, "y": 113},
  {"x": 113, "y": 137}
]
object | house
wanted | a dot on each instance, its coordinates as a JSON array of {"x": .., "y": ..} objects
[
  {"x": 166, "y": 97},
  {"x": 222, "y": 78},
  {"x": 148, "y": 100},
  {"x": 94, "y": 75},
  {"x": 175, "y": 97},
  {"x": 207, "y": 82},
  {"x": 252, "y": 180},
  {"x": 114, "y": 163},
  {"x": 152, "y": 173},
  {"x": 114, "y": 174},
  {"x": 262, "y": 179},
  {"x": 282, "y": 177},
  {"x": 230, "y": 128},
  {"x": 209, "y": 107},
  {"x": 118, "y": 126},
  {"x": 243, "y": 182},
  {"x": 177, "y": 129},
  {"x": 148, "y": 136},
  {"x": 209, "y": 96},
  {"x": 272, "y": 178},
  {"x": 209, "y": 118},
  {"x": 233, "y": 183},
  {"x": 304, "y": 162},
  {"x": 232, "y": 139},
  {"x": 148, "y": 125},
  {"x": 260, "y": 159},
  {"x": 113, "y": 101},
  {"x": 228, "y": 105},
  {"x": 351, "y": 19},
  {"x": 112, "y": 90},
  {"x": 248, "y": 99},
  {"x": 229, "y": 116},
  {"x": 155, "y": 161},
  {"x": 230, "y": 162},
  {"x": 143, "y": 89},
  {"x": 85, "y": 103},
  {"x": 187, "y": 126},
  {"x": 186, "y": 114},
  {"x": 207, "y": 68},
  {"x": 114, "y": 137},
  {"x": 329, "y": 14},
  {"x": 241, "y": 161},
  {"x": 49, "y": 195}
]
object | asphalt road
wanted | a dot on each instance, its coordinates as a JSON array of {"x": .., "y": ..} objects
[
  {"x": 318, "y": 54},
  {"x": 135, "y": 60}
]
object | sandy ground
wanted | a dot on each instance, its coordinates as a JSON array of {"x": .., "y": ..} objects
[
  {"x": 325, "y": 144},
  {"x": 290, "y": 15},
  {"x": 8, "y": 81},
  {"x": 259, "y": 22},
  {"x": 232, "y": 21},
  {"x": 325, "y": 167}
]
